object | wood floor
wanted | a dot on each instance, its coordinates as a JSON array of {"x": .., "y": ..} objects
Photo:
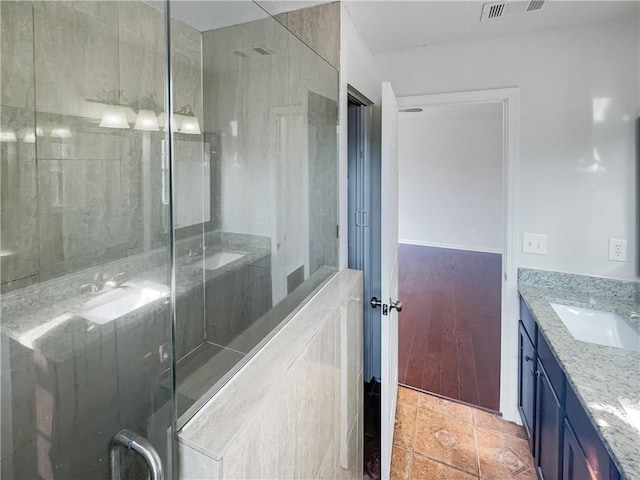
[
  {"x": 449, "y": 327},
  {"x": 438, "y": 439}
]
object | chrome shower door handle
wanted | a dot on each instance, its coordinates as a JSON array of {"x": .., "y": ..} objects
[{"x": 132, "y": 441}]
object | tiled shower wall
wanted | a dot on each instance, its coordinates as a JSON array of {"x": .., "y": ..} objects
[{"x": 81, "y": 203}]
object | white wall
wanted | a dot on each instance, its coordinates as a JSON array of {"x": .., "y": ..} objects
[
  {"x": 451, "y": 177},
  {"x": 577, "y": 176},
  {"x": 357, "y": 70}
]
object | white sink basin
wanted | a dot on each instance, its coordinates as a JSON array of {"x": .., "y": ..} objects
[
  {"x": 599, "y": 327},
  {"x": 119, "y": 302},
  {"x": 220, "y": 259}
]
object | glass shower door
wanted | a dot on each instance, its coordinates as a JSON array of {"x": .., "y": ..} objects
[{"x": 85, "y": 239}]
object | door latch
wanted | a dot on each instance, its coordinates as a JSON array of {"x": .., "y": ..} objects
[{"x": 375, "y": 303}]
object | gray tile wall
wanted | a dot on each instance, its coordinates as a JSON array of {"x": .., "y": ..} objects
[{"x": 83, "y": 202}]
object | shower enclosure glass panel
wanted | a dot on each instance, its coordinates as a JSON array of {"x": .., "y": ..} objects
[
  {"x": 168, "y": 198},
  {"x": 262, "y": 172},
  {"x": 85, "y": 237}
]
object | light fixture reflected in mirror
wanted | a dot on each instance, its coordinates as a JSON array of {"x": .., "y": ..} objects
[
  {"x": 187, "y": 121},
  {"x": 114, "y": 117},
  {"x": 147, "y": 121},
  {"x": 8, "y": 136},
  {"x": 28, "y": 135},
  {"x": 163, "y": 121},
  {"x": 190, "y": 126},
  {"x": 61, "y": 132}
]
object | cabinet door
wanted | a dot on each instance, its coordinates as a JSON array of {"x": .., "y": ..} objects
[
  {"x": 548, "y": 428},
  {"x": 574, "y": 464},
  {"x": 527, "y": 385}
]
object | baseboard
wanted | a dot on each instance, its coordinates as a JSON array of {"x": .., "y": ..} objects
[{"x": 469, "y": 248}]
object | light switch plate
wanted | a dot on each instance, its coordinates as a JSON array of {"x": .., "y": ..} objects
[{"x": 535, "y": 243}]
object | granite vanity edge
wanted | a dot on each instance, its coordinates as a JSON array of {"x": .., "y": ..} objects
[{"x": 584, "y": 284}]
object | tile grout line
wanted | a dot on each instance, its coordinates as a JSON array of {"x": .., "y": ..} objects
[{"x": 475, "y": 438}]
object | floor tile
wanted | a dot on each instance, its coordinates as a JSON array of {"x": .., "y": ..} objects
[
  {"x": 423, "y": 468},
  {"x": 493, "y": 422},
  {"x": 439, "y": 439},
  {"x": 454, "y": 410},
  {"x": 400, "y": 464},
  {"x": 504, "y": 456},
  {"x": 447, "y": 440},
  {"x": 405, "y": 425},
  {"x": 407, "y": 395}
]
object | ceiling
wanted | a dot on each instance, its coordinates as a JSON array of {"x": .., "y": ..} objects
[
  {"x": 388, "y": 26},
  {"x": 206, "y": 15}
]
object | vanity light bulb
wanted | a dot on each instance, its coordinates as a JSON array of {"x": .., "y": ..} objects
[
  {"x": 114, "y": 117},
  {"x": 147, "y": 120},
  {"x": 29, "y": 134},
  {"x": 61, "y": 132},
  {"x": 191, "y": 126},
  {"x": 8, "y": 136}
]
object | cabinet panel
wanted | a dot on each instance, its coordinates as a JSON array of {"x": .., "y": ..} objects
[
  {"x": 551, "y": 366},
  {"x": 526, "y": 386},
  {"x": 549, "y": 418},
  {"x": 586, "y": 434},
  {"x": 575, "y": 465},
  {"x": 527, "y": 320}
]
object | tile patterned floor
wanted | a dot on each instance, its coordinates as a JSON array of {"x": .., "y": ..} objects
[{"x": 439, "y": 439}]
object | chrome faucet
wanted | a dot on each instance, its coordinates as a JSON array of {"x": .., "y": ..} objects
[
  {"x": 115, "y": 281},
  {"x": 196, "y": 252},
  {"x": 99, "y": 284}
]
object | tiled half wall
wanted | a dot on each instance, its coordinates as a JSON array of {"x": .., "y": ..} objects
[{"x": 295, "y": 410}]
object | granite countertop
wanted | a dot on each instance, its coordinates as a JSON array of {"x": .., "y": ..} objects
[
  {"x": 45, "y": 318},
  {"x": 605, "y": 379}
]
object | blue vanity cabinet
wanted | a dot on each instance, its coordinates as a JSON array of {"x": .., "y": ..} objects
[
  {"x": 575, "y": 464},
  {"x": 565, "y": 443},
  {"x": 527, "y": 384},
  {"x": 585, "y": 433},
  {"x": 549, "y": 417}
]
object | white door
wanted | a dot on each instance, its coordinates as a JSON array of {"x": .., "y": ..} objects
[{"x": 389, "y": 271}]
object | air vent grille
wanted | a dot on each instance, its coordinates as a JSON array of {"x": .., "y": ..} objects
[
  {"x": 262, "y": 50},
  {"x": 535, "y": 5},
  {"x": 492, "y": 10},
  {"x": 495, "y": 10}
]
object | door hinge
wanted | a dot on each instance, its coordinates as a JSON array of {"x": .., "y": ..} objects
[{"x": 337, "y": 231}]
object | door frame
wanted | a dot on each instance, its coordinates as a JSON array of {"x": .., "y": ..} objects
[{"x": 510, "y": 100}]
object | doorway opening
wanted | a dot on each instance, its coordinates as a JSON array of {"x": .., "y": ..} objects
[
  {"x": 457, "y": 238},
  {"x": 451, "y": 242},
  {"x": 364, "y": 254}
]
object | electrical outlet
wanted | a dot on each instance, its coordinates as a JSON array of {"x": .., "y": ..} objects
[
  {"x": 535, "y": 243},
  {"x": 617, "y": 250}
]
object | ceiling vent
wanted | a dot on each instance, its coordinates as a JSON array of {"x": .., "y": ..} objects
[
  {"x": 262, "y": 50},
  {"x": 535, "y": 5},
  {"x": 494, "y": 10}
]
